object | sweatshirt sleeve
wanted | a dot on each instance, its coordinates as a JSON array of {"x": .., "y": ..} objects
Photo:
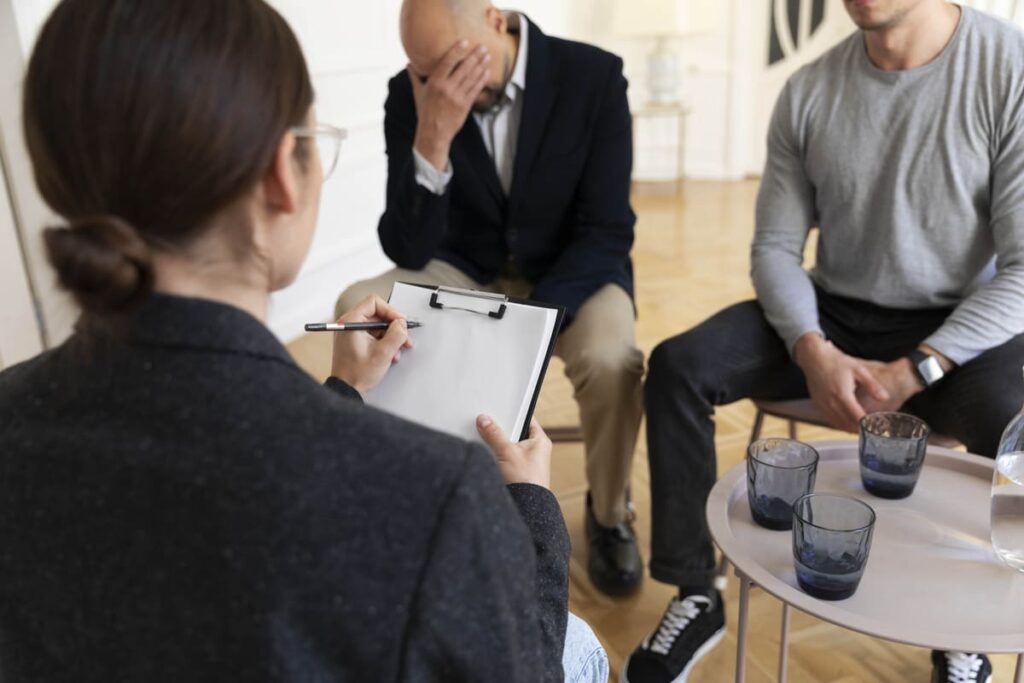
[
  {"x": 994, "y": 314},
  {"x": 784, "y": 217},
  {"x": 493, "y": 602}
]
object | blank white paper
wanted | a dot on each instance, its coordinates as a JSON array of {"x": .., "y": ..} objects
[{"x": 464, "y": 364}]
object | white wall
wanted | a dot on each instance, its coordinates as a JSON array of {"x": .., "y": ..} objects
[
  {"x": 19, "y": 332},
  {"x": 725, "y": 82},
  {"x": 353, "y": 49},
  {"x": 705, "y": 63},
  {"x": 20, "y": 336},
  {"x": 56, "y": 309}
]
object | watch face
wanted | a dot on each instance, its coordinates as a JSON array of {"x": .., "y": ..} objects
[{"x": 931, "y": 370}]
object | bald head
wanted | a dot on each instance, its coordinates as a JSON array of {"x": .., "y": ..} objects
[{"x": 430, "y": 28}]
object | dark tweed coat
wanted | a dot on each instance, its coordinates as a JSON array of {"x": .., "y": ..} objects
[{"x": 185, "y": 504}]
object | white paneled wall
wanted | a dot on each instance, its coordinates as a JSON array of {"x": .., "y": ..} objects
[
  {"x": 55, "y": 308},
  {"x": 705, "y": 62},
  {"x": 353, "y": 49},
  {"x": 20, "y": 336}
]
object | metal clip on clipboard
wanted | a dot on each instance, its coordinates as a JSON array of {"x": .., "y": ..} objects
[{"x": 499, "y": 299}]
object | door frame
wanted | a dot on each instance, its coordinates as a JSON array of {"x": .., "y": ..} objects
[
  {"x": 55, "y": 311},
  {"x": 21, "y": 331}
]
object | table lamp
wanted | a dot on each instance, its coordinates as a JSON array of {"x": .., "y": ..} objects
[{"x": 662, "y": 20}]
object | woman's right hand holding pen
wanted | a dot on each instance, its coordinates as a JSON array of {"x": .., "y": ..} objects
[{"x": 361, "y": 359}]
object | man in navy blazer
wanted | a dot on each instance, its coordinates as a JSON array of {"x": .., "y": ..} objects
[{"x": 509, "y": 161}]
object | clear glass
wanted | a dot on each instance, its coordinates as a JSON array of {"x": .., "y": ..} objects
[
  {"x": 1008, "y": 495},
  {"x": 892, "y": 450},
  {"x": 327, "y": 139},
  {"x": 778, "y": 472},
  {"x": 831, "y": 542}
]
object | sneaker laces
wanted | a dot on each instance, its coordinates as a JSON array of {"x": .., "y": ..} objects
[
  {"x": 679, "y": 615},
  {"x": 963, "y": 667}
]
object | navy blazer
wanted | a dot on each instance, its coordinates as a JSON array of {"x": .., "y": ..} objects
[
  {"x": 566, "y": 223},
  {"x": 187, "y": 505}
]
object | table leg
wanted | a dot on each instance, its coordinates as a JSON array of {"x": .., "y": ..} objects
[
  {"x": 1019, "y": 676},
  {"x": 741, "y": 636},
  {"x": 784, "y": 643}
]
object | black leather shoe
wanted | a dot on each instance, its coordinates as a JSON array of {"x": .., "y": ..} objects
[{"x": 614, "y": 565}]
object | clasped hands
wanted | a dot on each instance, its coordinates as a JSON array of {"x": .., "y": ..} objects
[{"x": 846, "y": 388}]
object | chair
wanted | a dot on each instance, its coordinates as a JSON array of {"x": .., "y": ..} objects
[
  {"x": 565, "y": 434},
  {"x": 796, "y": 412},
  {"x": 804, "y": 410}
]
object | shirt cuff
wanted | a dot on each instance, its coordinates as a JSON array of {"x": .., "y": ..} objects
[
  {"x": 795, "y": 334},
  {"x": 428, "y": 176},
  {"x": 949, "y": 344}
]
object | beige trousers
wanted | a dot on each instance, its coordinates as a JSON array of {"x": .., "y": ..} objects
[{"x": 601, "y": 360}]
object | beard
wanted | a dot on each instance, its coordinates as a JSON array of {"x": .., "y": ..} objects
[
  {"x": 488, "y": 99},
  {"x": 491, "y": 95}
]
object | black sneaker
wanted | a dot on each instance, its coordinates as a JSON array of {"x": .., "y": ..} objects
[
  {"x": 960, "y": 667},
  {"x": 690, "y": 629}
]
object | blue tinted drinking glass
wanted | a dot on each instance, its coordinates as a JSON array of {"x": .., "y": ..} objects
[
  {"x": 892, "y": 449},
  {"x": 831, "y": 541},
  {"x": 778, "y": 472}
]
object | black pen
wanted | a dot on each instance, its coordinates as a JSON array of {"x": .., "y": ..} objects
[{"x": 354, "y": 327}]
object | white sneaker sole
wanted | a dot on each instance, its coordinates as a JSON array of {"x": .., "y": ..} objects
[{"x": 701, "y": 652}]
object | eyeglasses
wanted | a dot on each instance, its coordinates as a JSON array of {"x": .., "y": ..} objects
[{"x": 328, "y": 143}]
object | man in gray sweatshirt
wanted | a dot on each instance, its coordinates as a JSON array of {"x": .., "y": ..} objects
[{"x": 904, "y": 146}]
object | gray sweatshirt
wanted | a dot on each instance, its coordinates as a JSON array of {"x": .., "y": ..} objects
[{"x": 915, "y": 180}]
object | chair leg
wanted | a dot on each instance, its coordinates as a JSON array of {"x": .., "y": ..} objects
[
  {"x": 792, "y": 430},
  {"x": 565, "y": 434},
  {"x": 755, "y": 433}
]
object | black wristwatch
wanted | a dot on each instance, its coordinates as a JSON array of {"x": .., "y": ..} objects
[{"x": 927, "y": 367}]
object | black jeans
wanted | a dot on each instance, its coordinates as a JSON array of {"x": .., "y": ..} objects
[{"x": 736, "y": 354}]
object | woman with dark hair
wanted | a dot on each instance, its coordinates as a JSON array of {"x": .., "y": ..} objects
[{"x": 178, "y": 500}]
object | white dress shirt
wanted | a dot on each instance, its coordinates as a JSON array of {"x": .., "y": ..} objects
[{"x": 499, "y": 126}]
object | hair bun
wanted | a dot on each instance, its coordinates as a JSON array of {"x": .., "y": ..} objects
[{"x": 103, "y": 262}]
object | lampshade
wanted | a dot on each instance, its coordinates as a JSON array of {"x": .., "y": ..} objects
[{"x": 642, "y": 18}]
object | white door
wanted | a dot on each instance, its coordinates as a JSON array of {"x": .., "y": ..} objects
[{"x": 788, "y": 35}]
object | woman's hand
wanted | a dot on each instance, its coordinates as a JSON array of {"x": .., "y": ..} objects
[
  {"x": 361, "y": 359},
  {"x": 526, "y": 462}
]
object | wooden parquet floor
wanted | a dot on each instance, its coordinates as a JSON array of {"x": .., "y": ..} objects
[{"x": 691, "y": 259}]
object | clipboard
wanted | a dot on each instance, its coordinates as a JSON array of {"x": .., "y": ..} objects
[{"x": 477, "y": 352}]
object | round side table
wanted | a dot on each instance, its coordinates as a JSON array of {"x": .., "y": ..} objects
[{"x": 932, "y": 579}]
